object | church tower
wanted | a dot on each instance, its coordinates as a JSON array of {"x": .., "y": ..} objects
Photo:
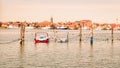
[
  {"x": 51, "y": 20},
  {"x": 52, "y": 24}
]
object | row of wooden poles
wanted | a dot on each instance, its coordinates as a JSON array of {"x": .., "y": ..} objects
[
  {"x": 91, "y": 34},
  {"x": 22, "y": 34}
]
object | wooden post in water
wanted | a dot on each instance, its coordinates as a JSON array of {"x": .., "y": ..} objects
[
  {"x": 91, "y": 35},
  {"x": 80, "y": 32},
  {"x": 112, "y": 31},
  {"x": 55, "y": 38},
  {"x": 68, "y": 37},
  {"x": 112, "y": 34},
  {"x": 22, "y": 33}
]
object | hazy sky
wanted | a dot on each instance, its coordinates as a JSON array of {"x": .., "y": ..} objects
[{"x": 60, "y": 10}]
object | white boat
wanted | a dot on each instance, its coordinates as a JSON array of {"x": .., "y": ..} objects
[
  {"x": 46, "y": 27},
  {"x": 62, "y": 40},
  {"x": 62, "y": 28}
]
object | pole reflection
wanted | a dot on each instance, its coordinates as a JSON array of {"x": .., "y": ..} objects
[
  {"x": 111, "y": 49},
  {"x": 80, "y": 44},
  {"x": 91, "y": 46},
  {"x": 67, "y": 45},
  {"x": 91, "y": 56},
  {"x": 21, "y": 55}
]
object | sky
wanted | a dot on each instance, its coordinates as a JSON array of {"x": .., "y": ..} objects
[{"x": 61, "y": 10}]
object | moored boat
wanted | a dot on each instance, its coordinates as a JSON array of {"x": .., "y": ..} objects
[
  {"x": 41, "y": 37},
  {"x": 62, "y": 40}
]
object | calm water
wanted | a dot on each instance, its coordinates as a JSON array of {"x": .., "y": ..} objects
[{"x": 74, "y": 54}]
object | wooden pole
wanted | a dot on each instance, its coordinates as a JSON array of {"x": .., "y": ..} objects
[
  {"x": 80, "y": 32},
  {"x": 91, "y": 35},
  {"x": 22, "y": 33},
  {"x": 112, "y": 34},
  {"x": 55, "y": 38},
  {"x": 68, "y": 37}
]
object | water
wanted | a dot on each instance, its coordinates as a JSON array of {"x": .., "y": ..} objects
[{"x": 102, "y": 54}]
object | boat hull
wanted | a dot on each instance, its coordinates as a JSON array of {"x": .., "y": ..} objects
[
  {"x": 62, "y": 40},
  {"x": 43, "y": 41}
]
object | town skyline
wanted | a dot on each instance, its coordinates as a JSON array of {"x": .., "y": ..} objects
[{"x": 62, "y": 11}]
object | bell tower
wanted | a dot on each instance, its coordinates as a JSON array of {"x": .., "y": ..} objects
[{"x": 51, "y": 20}]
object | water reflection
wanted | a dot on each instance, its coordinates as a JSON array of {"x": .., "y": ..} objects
[
  {"x": 21, "y": 55},
  {"x": 91, "y": 56},
  {"x": 67, "y": 45},
  {"x": 112, "y": 42},
  {"x": 91, "y": 46},
  {"x": 86, "y": 55},
  {"x": 74, "y": 54},
  {"x": 36, "y": 45},
  {"x": 111, "y": 49},
  {"x": 80, "y": 43}
]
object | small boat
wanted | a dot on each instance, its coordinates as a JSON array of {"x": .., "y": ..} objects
[
  {"x": 62, "y": 40},
  {"x": 62, "y": 28},
  {"x": 41, "y": 37}
]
